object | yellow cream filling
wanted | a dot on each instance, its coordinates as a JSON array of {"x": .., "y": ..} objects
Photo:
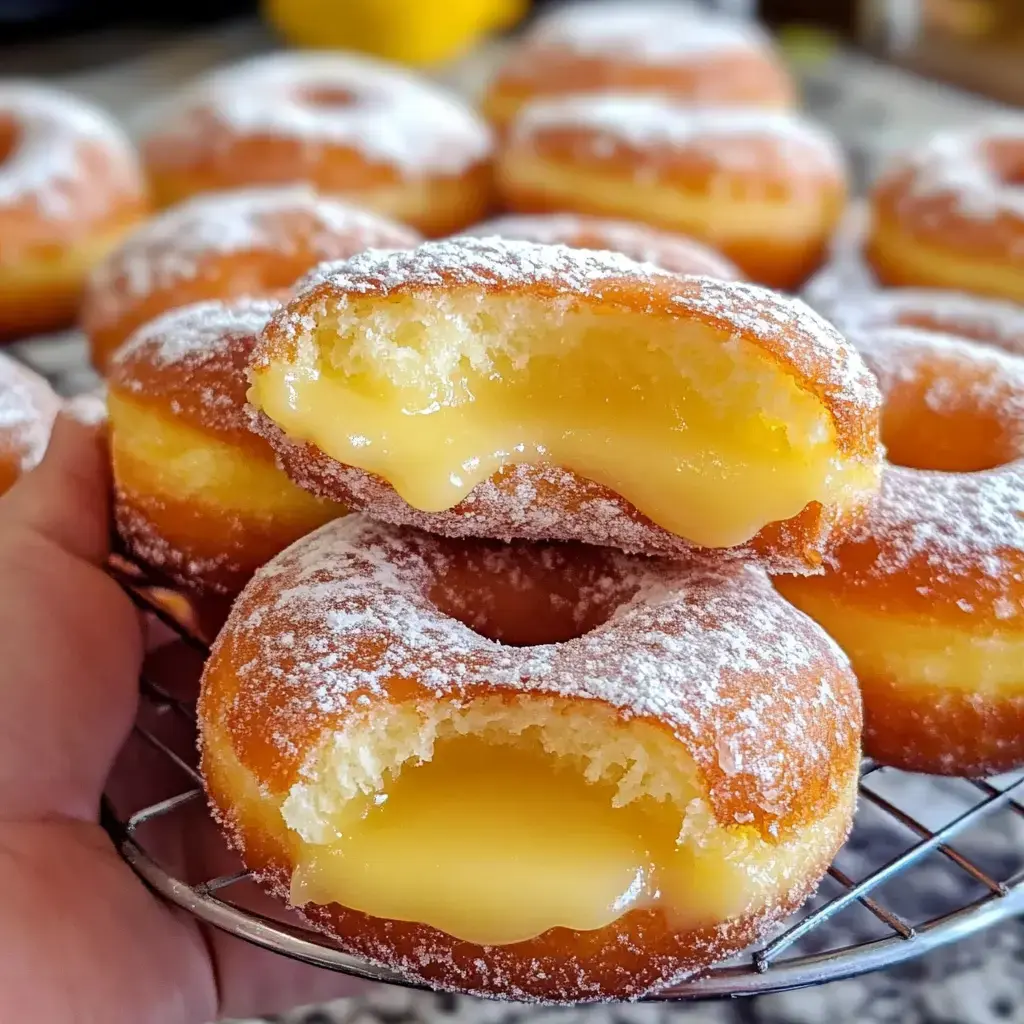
[
  {"x": 497, "y": 822},
  {"x": 699, "y": 431},
  {"x": 915, "y": 652}
]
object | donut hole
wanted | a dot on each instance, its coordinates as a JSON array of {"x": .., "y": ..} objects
[
  {"x": 328, "y": 97},
  {"x": 524, "y": 595},
  {"x": 498, "y": 819},
  {"x": 950, "y": 419},
  {"x": 9, "y": 136},
  {"x": 1006, "y": 157}
]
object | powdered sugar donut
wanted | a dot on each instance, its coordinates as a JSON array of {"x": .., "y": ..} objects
[
  {"x": 926, "y": 594},
  {"x": 951, "y": 214},
  {"x": 669, "y": 49},
  {"x": 637, "y": 241},
  {"x": 349, "y": 126},
  {"x": 991, "y": 321},
  {"x": 28, "y": 406},
  {"x": 70, "y": 187},
  {"x": 765, "y": 188},
  {"x": 199, "y": 498},
  {"x": 222, "y": 246},
  {"x": 488, "y": 387},
  {"x": 530, "y": 771}
]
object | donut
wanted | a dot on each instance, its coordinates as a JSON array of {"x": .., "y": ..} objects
[
  {"x": 656, "y": 48},
  {"x": 475, "y": 763},
  {"x": 349, "y": 126},
  {"x": 926, "y": 594},
  {"x": 496, "y": 388},
  {"x": 198, "y": 497},
  {"x": 950, "y": 215},
  {"x": 765, "y": 188},
  {"x": 976, "y": 318},
  {"x": 70, "y": 188},
  {"x": 637, "y": 241},
  {"x": 28, "y": 406},
  {"x": 221, "y": 246}
]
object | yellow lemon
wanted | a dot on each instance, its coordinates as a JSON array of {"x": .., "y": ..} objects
[{"x": 410, "y": 31}]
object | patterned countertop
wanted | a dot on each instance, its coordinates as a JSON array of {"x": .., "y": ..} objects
[{"x": 977, "y": 981}]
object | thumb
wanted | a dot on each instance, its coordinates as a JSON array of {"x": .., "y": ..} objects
[{"x": 70, "y": 639}]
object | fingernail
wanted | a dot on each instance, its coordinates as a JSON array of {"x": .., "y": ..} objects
[{"x": 90, "y": 410}]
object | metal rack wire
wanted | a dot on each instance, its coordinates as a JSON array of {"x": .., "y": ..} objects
[{"x": 781, "y": 963}]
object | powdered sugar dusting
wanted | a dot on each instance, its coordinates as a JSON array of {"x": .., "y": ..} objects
[
  {"x": 651, "y": 32},
  {"x": 178, "y": 245},
  {"x": 961, "y": 164},
  {"x": 655, "y": 123},
  {"x": 644, "y": 244},
  {"x": 28, "y": 407},
  {"x": 469, "y": 261},
  {"x": 380, "y": 111},
  {"x": 956, "y": 523},
  {"x": 52, "y": 132},
  {"x": 710, "y": 651},
  {"x": 996, "y": 323},
  {"x": 199, "y": 331}
]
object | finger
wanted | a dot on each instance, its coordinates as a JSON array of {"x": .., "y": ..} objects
[
  {"x": 66, "y": 498},
  {"x": 70, "y": 643}
]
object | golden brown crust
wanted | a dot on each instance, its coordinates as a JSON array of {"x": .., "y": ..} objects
[
  {"x": 766, "y": 189},
  {"x": 639, "y": 242},
  {"x": 70, "y": 186},
  {"x": 265, "y": 708},
  {"x": 188, "y": 367},
  {"x": 28, "y": 406},
  {"x": 317, "y": 119},
  {"x": 777, "y": 790},
  {"x": 783, "y": 329},
  {"x": 247, "y": 242},
  {"x": 627, "y": 48},
  {"x": 939, "y": 550},
  {"x": 953, "y": 201},
  {"x": 940, "y": 731}
]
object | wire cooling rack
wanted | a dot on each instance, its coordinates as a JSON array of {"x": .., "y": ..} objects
[{"x": 857, "y": 925}]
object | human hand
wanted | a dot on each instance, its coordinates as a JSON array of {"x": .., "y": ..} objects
[{"x": 81, "y": 938}]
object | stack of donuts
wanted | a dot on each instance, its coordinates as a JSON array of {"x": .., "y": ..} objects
[{"x": 555, "y": 572}]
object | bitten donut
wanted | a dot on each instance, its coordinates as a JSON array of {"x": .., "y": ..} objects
[
  {"x": 531, "y": 771},
  {"x": 70, "y": 188},
  {"x": 765, "y": 188},
  {"x": 637, "y": 241},
  {"x": 223, "y": 246},
  {"x": 487, "y": 387},
  {"x": 950, "y": 215},
  {"x": 28, "y": 406},
  {"x": 667, "y": 49},
  {"x": 348, "y": 126},
  {"x": 198, "y": 496},
  {"x": 926, "y": 595},
  {"x": 991, "y": 321}
]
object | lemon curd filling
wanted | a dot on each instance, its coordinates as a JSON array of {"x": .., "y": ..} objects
[
  {"x": 496, "y": 837},
  {"x": 697, "y": 430}
]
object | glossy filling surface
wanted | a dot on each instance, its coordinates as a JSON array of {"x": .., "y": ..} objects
[
  {"x": 699, "y": 431},
  {"x": 498, "y": 842}
]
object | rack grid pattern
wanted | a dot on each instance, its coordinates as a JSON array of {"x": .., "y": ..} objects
[{"x": 774, "y": 966}]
